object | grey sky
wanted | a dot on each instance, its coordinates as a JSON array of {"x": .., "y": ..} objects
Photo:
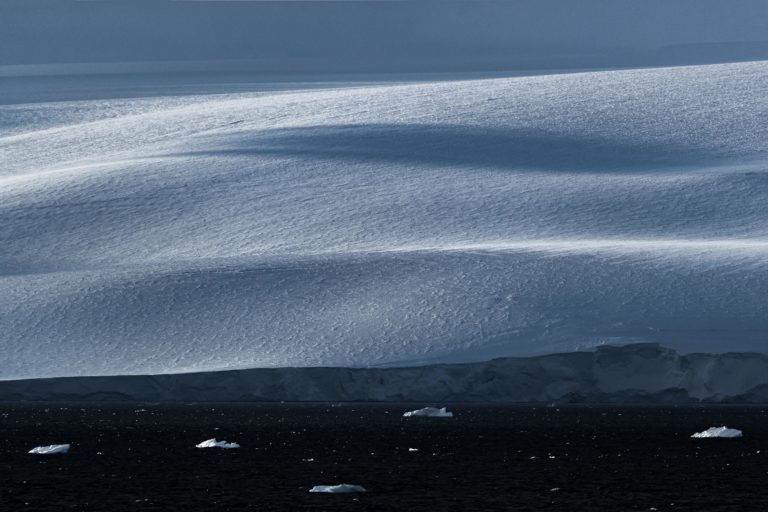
[{"x": 383, "y": 35}]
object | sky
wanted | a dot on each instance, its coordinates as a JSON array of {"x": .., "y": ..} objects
[{"x": 416, "y": 35}]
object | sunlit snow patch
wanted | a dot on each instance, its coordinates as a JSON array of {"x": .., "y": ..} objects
[
  {"x": 432, "y": 412},
  {"x": 338, "y": 489},
  {"x": 724, "y": 432},
  {"x": 213, "y": 443},
  {"x": 50, "y": 449}
]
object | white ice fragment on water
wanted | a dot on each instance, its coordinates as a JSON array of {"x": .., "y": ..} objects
[
  {"x": 213, "y": 443},
  {"x": 723, "y": 432},
  {"x": 338, "y": 489},
  {"x": 50, "y": 449},
  {"x": 431, "y": 412}
]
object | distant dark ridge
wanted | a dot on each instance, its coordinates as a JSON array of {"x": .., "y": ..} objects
[{"x": 639, "y": 373}]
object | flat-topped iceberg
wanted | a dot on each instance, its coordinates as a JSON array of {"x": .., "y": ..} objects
[
  {"x": 50, "y": 449},
  {"x": 338, "y": 489},
  {"x": 431, "y": 412},
  {"x": 724, "y": 432},
  {"x": 213, "y": 443}
]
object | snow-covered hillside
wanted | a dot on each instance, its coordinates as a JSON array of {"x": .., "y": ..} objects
[{"x": 391, "y": 224}]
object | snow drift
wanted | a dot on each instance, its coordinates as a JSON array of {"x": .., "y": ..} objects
[{"x": 432, "y": 222}]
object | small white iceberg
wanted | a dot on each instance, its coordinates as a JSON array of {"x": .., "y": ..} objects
[
  {"x": 50, "y": 449},
  {"x": 431, "y": 412},
  {"x": 724, "y": 432},
  {"x": 338, "y": 489},
  {"x": 213, "y": 443}
]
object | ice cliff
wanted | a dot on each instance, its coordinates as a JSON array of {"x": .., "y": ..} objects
[{"x": 639, "y": 373}]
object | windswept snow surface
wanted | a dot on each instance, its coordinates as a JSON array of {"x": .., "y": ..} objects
[
  {"x": 723, "y": 432},
  {"x": 430, "y": 412},
  {"x": 213, "y": 443},
  {"x": 52, "y": 449},
  {"x": 393, "y": 224}
]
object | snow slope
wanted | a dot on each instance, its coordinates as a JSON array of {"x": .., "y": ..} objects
[{"x": 392, "y": 224}]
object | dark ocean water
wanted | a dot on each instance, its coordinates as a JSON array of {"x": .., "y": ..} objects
[{"x": 143, "y": 457}]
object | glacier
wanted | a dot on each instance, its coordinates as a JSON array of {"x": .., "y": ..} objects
[{"x": 385, "y": 224}]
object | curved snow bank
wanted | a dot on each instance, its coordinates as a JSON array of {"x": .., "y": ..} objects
[
  {"x": 50, "y": 449},
  {"x": 430, "y": 412},
  {"x": 388, "y": 225},
  {"x": 213, "y": 443},
  {"x": 723, "y": 432},
  {"x": 338, "y": 489}
]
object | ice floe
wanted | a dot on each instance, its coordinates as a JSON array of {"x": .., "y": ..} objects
[
  {"x": 431, "y": 412},
  {"x": 213, "y": 443},
  {"x": 50, "y": 449},
  {"x": 723, "y": 432},
  {"x": 338, "y": 489}
]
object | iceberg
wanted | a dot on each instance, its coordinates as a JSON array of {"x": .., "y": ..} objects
[
  {"x": 213, "y": 443},
  {"x": 338, "y": 489},
  {"x": 431, "y": 412},
  {"x": 50, "y": 449},
  {"x": 724, "y": 432}
]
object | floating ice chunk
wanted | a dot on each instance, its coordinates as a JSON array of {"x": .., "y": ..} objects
[
  {"x": 213, "y": 443},
  {"x": 724, "y": 432},
  {"x": 50, "y": 449},
  {"x": 432, "y": 412},
  {"x": 338, "y": 489}
]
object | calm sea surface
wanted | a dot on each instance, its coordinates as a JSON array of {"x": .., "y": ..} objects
[{"x": 143, "y": 457}]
